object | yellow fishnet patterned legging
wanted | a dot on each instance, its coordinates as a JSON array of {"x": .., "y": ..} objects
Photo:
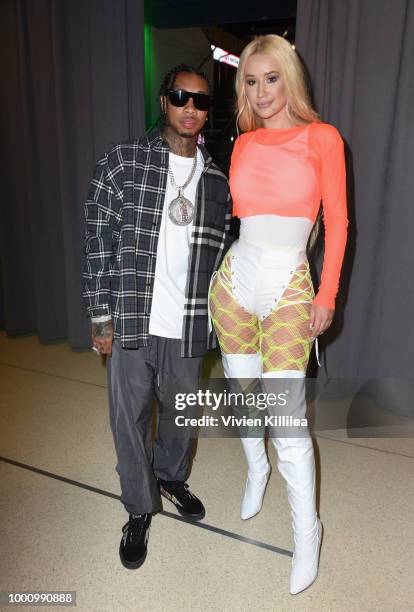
[{"x": 283, "y": 338}]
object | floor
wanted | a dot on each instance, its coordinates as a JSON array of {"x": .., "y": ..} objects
[{"x": 61, "y": 520}]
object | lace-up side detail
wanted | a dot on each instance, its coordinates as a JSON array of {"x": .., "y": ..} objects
[
  {"x": 236, "y": 328},
  {"x": 286, "y": 339}
]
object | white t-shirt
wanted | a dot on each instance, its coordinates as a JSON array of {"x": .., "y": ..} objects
[{"x": 167, "y": 309}]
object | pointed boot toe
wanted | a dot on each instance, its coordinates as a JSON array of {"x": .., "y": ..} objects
[
  {"x": 305, "y": 562},
  {"x": 253, "y": 495}
]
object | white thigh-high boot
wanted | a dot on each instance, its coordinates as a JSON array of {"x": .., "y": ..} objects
[
  {"x": 250, "y": 367},
  {"x": 296, "y": 463}
]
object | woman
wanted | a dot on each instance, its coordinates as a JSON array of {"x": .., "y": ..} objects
[{"x": 262, "y": 300}]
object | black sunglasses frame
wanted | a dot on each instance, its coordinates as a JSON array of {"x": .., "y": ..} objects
[{"x": 180, "y": 97}]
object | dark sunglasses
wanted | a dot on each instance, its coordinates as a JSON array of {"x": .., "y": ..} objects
[{"x": 180, "y": 97}]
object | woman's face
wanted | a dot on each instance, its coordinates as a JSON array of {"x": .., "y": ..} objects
[{"x": 266, "y": 90}]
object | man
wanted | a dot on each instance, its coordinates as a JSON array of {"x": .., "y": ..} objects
[{"x": 157, "y": 217}]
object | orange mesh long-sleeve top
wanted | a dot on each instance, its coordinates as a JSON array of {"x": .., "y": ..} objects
[{"x": 288, "y": 172}]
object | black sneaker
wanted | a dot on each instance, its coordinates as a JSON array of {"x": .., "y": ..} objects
[
  {"x": 179, "y": 494},
  {"x": 133, "y": 546}
]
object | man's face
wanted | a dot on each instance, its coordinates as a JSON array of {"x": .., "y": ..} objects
[{"x": 187, "y": 121}]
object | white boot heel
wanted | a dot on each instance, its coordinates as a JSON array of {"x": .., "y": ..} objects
[
  {"x": 253, "y": 494},
  {"x": 306, "y": 559},
  {"x": 257, "y": 476}
]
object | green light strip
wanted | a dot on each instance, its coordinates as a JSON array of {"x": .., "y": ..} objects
[{"x": 147, "y": 72}]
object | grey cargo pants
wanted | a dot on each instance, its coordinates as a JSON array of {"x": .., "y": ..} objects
[{"x": 135, "y": 378}]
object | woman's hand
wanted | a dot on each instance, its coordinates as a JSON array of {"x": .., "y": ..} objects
[{"x": 320, "y": 319}]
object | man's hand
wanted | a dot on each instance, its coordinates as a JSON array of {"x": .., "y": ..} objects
[
  {"x": 320, "y": 319},
  {"x": 102, "y": 336}
]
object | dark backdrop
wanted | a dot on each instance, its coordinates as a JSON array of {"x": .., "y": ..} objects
[
  {"x": 361, "y": 59},
  {"x": 71, "y": 77}
]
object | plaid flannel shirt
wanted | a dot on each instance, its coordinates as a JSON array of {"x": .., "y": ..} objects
[{"x": 123, "y": 216}]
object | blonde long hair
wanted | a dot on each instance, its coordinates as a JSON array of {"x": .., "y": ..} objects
[{"x": 298, "y": 100}]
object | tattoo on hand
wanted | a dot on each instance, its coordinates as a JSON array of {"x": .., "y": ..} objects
[{"x": 102, "y": 330}]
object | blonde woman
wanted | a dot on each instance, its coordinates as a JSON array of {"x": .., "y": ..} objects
[{"x": 262, "y": 301}]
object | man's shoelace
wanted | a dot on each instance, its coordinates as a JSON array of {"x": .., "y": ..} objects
[
  {"x": 180, "y": 489},
  {"x": 135, "y": 527}
]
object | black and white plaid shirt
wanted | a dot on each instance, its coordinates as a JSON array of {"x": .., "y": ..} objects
[{"x": 123, "y": 216}]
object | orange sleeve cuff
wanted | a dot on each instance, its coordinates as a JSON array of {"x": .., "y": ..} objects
[{"x": 322, "y": 299}]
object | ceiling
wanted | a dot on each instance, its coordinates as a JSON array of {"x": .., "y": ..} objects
[{"x": 256, "y": 15}]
